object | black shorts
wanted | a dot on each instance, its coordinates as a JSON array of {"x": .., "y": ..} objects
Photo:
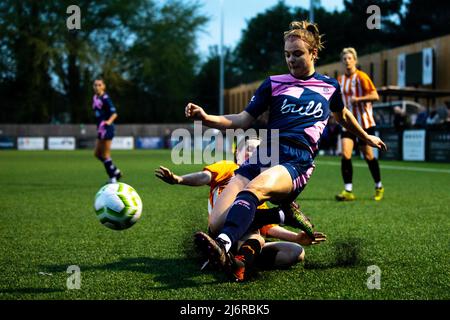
[{"x": 356, "y": 140}]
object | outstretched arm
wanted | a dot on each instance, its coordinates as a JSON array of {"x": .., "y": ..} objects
[
  {"x": 200, "y": 178},
  {"x": 348, "y": 121},
  {"x": 230, "y": 121}
]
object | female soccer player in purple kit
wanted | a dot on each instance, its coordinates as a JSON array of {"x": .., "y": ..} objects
[
  {"x": 105, "y": 114},
  {"x": 299, "y": 105}
]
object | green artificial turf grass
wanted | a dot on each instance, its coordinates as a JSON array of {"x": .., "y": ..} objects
[{"x": 47, "y": 223}]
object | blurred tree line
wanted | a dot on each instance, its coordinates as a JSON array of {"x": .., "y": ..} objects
[{"x": 146, "y": 52}]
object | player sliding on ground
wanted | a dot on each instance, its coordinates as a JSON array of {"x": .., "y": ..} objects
[
  {"x": 299, "y": 105},
  {"x": 279, "y": 254}
]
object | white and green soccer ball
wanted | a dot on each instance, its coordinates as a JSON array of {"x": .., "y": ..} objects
[{"x": 118, "y": 206}]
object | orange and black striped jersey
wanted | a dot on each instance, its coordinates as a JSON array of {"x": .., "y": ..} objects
[
  {"x": 221, "y": 173},
  {"x": 357, "y": 85}
]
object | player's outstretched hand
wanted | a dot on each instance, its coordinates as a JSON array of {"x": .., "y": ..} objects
[
  {"x": 305, "y": 240},
  {"x": 195, "y": 112},
  {"x": 167, "y": 176},
  {"x": 376, "y": 142}
]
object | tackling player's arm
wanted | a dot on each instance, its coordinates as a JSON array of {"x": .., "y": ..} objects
[
  {"x": 345, "y": 118},
  {"x": 229, "y": 121},
  {"x": 195, "y": 179}
]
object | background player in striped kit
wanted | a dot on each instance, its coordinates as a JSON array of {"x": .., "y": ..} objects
[
  {"x": 105, "y": 114},
  {"x": 358, "y": 92}
]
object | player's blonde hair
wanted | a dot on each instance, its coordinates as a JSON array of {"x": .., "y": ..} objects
[
  {"x": 350, "y": 50},
  {"x": 307, "y": 31}
]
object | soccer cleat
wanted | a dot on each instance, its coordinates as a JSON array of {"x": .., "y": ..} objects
[
  {"x": 345, "y": 196},
  {"x": 379, "y": 192},
  {"x": 237, "y": 270},
  {"x": 213, "y": 250},
  {"x": 295, "y": 218}
]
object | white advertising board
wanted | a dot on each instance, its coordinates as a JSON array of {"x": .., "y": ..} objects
[
  {"x": 30, "y": 143},
  {"x": 414, "y": 145},
  {"x": 122, "y": 143},
  {"x": 61, "y": 143}
]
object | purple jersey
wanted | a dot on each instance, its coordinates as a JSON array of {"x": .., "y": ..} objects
[
  {"x": 299, "y": 108},
  {"x": 103, "y": 108}
]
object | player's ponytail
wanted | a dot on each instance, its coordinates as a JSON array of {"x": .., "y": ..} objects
[{"x": 307, "y": 31}]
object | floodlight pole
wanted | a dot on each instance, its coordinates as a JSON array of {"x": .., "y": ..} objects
[{"x": 221, "y": 76}]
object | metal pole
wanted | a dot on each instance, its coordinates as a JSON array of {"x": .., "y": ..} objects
[
  {"x": 311, "y": 11},
  {"x": 221, "y": 49}
]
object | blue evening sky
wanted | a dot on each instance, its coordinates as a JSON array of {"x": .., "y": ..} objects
[{"x": 236, "y": 15}]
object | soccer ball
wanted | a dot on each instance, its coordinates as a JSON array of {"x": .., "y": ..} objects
[{"x": 118, "y": 206}]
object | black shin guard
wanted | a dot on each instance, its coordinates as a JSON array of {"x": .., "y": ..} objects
[{"x": 374, "y": 168}]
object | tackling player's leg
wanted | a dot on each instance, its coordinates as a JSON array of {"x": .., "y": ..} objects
[
  {"x": 225, "y": 201},
  {"x": 273, "y": 184},
  {"x": 280, "y": 254},
  {"x": 248, "y": 252}
]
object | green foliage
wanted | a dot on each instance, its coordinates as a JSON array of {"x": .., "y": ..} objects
[
  {"x": 261, "y": 46},
  {"x": 423, "y": 19},
  {"x": 259, "y": 52},
  {"x": 164, "y": 58},
  {"x": 145, "y": 52},
  {"x": 207, "y": 79}
]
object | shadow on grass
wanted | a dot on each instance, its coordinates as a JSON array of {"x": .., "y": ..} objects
[
  {"x": 347, "y": 254},
  {"x": 171, "y": 273}
]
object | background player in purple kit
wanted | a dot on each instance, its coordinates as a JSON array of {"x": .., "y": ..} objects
[
  {"x": 105, "y": 114},
  {"x": 299, "y": 105}
]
